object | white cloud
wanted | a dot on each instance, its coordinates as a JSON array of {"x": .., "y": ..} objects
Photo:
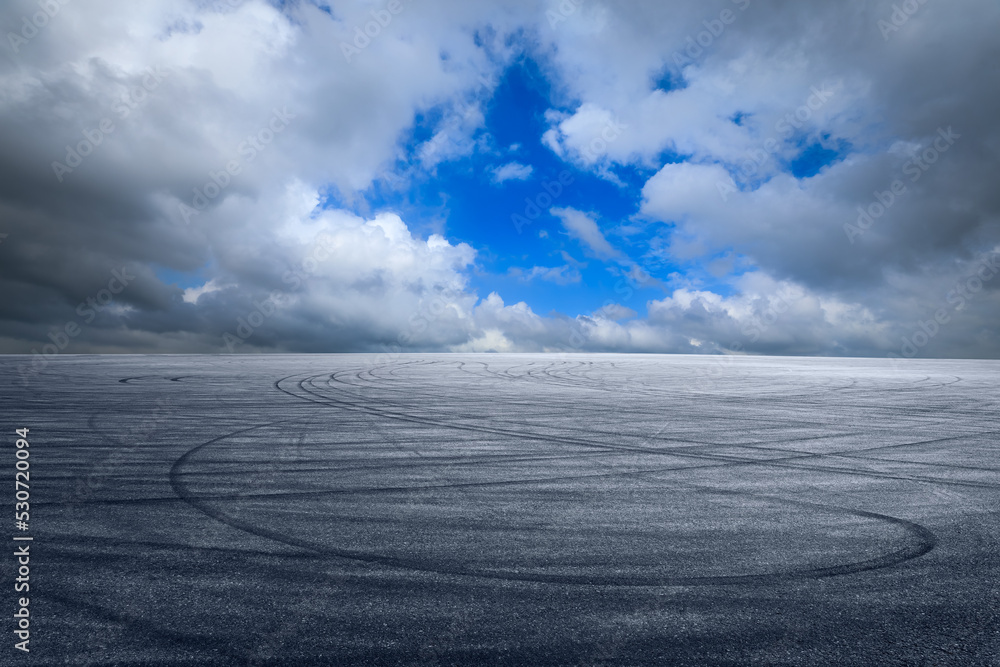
[
  {"x": 191, "y": 294},
  {"x": 560, "y": 275},
  {"x": 583, "y": 228},
  {"x": 615, "y": 312},
  {"x": 512, "y": 171},
  {"x": 491, "y": 340}
]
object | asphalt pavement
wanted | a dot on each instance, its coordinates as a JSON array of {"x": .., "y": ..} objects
[{"x": 507, "y": 509}]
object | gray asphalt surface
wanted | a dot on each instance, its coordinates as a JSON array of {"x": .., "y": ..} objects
[{"x": 516, "y": 510}]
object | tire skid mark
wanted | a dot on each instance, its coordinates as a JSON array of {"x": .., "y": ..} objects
[
  {"x": 140, "y": 626},
  {"x": 925, "y": 542},
  {"x": 676, "y": 451}
]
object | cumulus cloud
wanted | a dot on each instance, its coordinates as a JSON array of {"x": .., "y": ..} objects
[
  {"x": 616, "y": 311},
  {"x": 584, "y": 229},
  {"x": 560, "y": 275},
  {"x": 512, "y": 171},
  {"x": 134, "y": 145},
  {"x": 192, "y": 294}
]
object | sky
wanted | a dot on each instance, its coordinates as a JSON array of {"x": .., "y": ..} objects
[{"x": 727, "y": 177}]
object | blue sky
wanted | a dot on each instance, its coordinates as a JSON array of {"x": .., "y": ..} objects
[{"x": 462, "y": 199}]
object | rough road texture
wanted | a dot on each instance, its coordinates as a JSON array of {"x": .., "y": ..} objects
[{"x": 487, "y": 509}]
